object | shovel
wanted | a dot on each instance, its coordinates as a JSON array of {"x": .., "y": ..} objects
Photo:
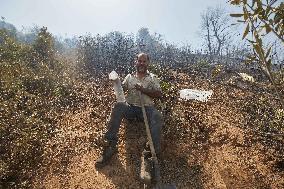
[{"x": 157, "y": 174}]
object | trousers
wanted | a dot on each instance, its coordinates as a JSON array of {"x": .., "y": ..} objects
[{"x": 124, "y": 110}]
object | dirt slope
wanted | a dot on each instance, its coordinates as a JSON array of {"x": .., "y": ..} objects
[{"x": 206, "y": 145}]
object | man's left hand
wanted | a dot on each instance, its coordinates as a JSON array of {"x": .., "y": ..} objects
[
  {"x": 139, "y": 87},
  {"x": 149, "y": 92}
]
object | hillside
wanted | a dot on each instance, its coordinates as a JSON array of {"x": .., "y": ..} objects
[
  {"x": 206, "y": 145},
  {"x": 55, "y": 98}
]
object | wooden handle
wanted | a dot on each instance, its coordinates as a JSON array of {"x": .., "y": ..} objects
[{"x": 150, "y": 140}]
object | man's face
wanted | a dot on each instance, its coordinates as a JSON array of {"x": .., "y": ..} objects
[{"x": 142, "y": 64}]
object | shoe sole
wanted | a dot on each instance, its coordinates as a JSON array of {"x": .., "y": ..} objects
[{"x": 145, "y": 180}]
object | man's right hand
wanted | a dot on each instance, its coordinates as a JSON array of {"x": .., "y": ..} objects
[{"x": 114, "y": 80}]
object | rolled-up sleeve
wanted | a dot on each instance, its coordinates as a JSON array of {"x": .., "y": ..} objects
[{"x": 156, "y": 84}]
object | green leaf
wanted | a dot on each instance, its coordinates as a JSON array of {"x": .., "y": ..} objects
[
  {"x": 252, "y": 42},
  {"x": 257, "y": 49},
  {"x": 267, "y": 28},
  {"x": 277, "y": 27},
  {"x": 246, "y": 14},
  {"x": 236, "y": 15},
  {"x": 258, "y": 39},
  {"x": 246, "y": 31},
  {"x": 277, "y": 17},
  {"x": 268, "y": 11},
  {"x": 253, "y": 2},
  {"x": 235, "y": 2},
  {"x": 259, "y": 4},
  {"x": 268, "y": 52},
  {"x": 269, "y": 63}
]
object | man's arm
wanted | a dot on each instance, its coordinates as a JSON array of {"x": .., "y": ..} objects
[
  {"x": 150, "y": 92},
  {"x": 124, "y": 87}
]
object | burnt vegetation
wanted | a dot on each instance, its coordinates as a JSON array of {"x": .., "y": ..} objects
[{"x": 46, "y": 81}]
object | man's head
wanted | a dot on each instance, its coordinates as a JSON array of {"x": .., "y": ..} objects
[{"x": 142, "y": 62}]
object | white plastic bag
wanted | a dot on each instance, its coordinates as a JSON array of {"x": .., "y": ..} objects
[
  {"x": 118, "y": 90},
  {"x": 246, "y": 77},
  {"x": 202, "y": 96}
]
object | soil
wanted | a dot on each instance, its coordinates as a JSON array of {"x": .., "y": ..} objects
[{"x": 205, "y": 145}]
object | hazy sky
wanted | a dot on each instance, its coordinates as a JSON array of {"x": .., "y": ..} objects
[{"x": 177, "y": 20}]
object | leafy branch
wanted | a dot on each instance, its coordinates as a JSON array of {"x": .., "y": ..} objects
[{"x": 259, "y": 16}]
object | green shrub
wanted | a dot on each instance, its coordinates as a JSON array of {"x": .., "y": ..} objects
[{"x": 32, "y": 88}]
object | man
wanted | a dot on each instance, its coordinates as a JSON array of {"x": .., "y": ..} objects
[{"x": 146, "y": 83}]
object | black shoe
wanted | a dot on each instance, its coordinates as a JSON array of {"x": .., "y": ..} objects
[
  {"x": 106, "y": 156},
  {"x": 146, "y": 167}
]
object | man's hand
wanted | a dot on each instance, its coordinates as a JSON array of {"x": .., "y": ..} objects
[
  {"x": 149, "y": 92},
  {"x": 115, "y": 80},
  {"x": 139, "y": 87}
]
